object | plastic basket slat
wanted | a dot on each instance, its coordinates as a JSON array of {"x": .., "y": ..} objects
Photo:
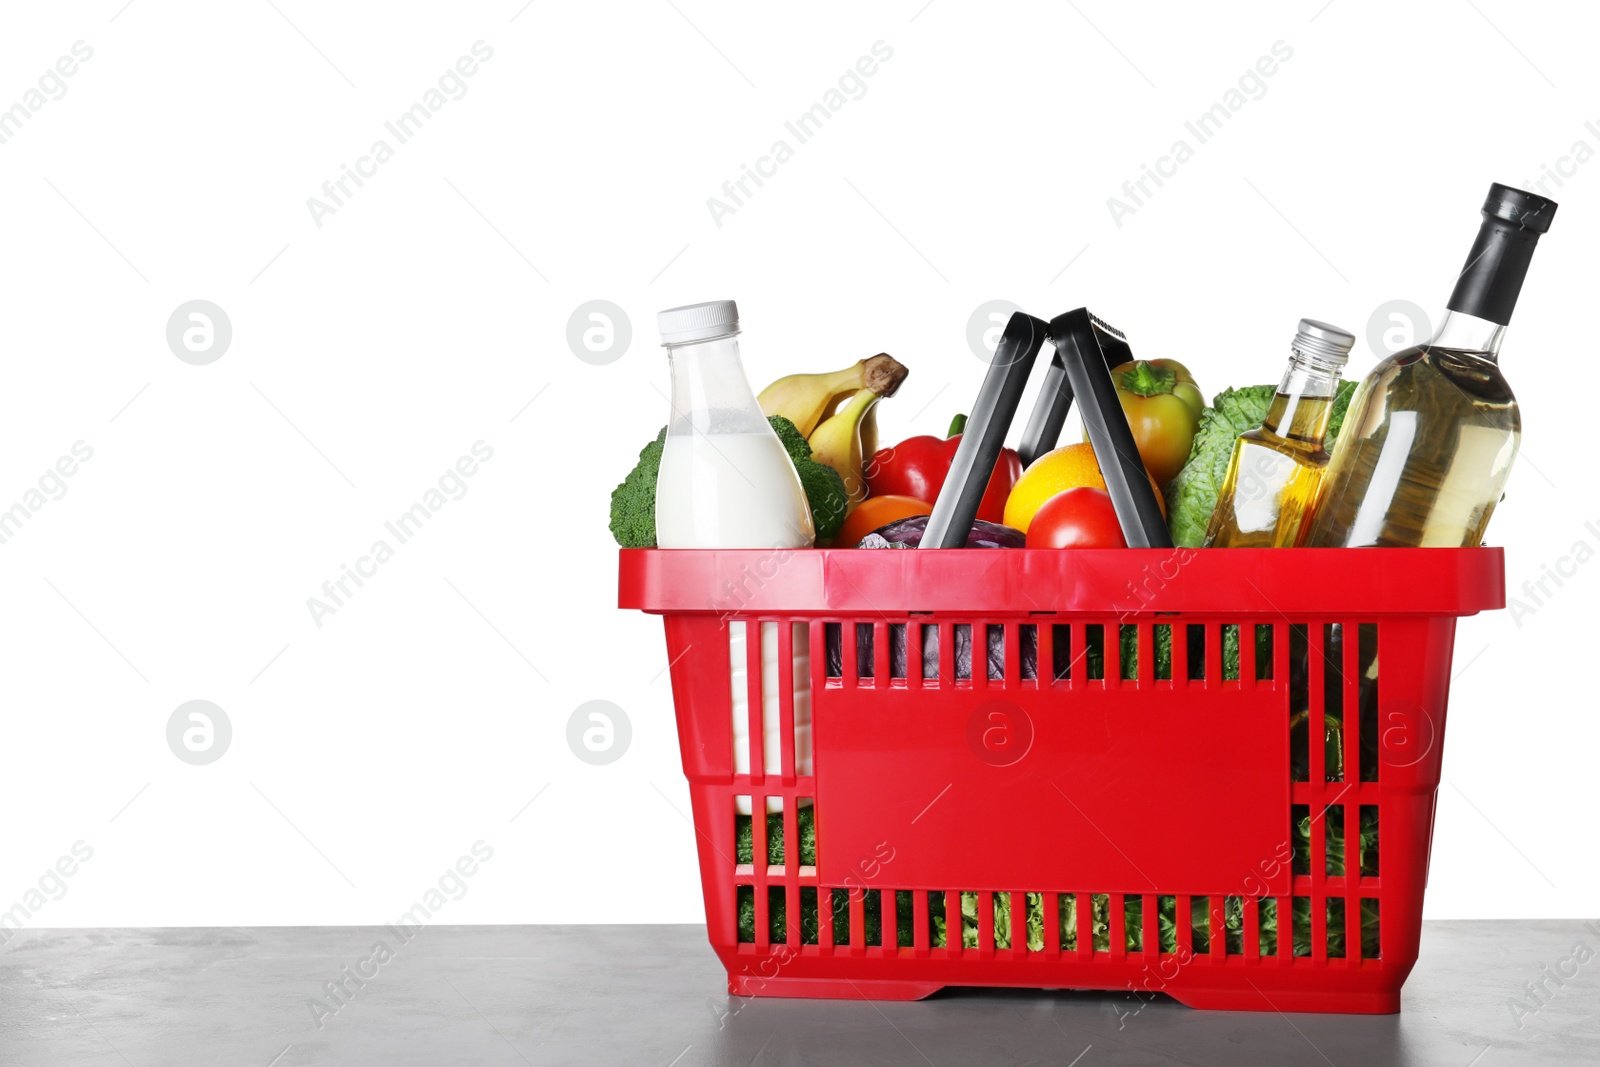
[
  {"x": 786, "y": 711},
  {"x": 1180, "y": 653},
  {"x": 755, "y": 698},
  {"x": 1213, "y": 654}
]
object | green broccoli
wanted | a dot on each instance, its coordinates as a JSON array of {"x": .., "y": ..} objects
[
  {"x": 633, "y": 503},
  {"x": 825, "y": 490}
]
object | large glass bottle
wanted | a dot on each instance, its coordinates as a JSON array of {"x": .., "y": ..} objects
[
  {"x": 1275, "y": 471},
  {"x": 1426, "y": 447}
]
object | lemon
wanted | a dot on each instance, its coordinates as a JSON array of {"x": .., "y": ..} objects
[{"x": 1067, "y": 467}]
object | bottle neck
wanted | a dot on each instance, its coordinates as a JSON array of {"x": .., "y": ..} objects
[
  {"x": 1462, "y": 332},
  {"x": 1300, "y": 410},
  {"x": 710, "y": 393},
  {"x": 1492, "y": 279}
]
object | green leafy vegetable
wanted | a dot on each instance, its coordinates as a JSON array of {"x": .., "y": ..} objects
[
  {"x": 1034, "y": 926},
  {"x": 805, "y": 825},
  {"x": 1161, "y": 644},
  {"x": 1300, "y": 928},
  {"x": 1335, "y": 843}
]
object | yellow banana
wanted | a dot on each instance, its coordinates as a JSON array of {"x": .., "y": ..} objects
[
  {"x": 803, "y": 398},
  {"x": 869, "y": 434},
  {"x": 807, "y": 399},
  {"x": 837, "y": 442},
  {"x": 840, "y": 399}
]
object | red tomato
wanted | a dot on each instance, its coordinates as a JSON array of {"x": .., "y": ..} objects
[{"x": 1077, "y": 518}]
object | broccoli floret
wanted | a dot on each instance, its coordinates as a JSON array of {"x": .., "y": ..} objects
[
  {"x": 825, "y": 491},
  {"x": 633, "y": 503}
]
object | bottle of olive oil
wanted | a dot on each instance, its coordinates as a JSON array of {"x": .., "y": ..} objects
[
  {"x": 1426, "y": 447},
  {"x": 1276, "y": 469}
]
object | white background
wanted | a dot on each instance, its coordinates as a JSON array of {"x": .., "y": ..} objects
[{"x": 425, "y": 314}]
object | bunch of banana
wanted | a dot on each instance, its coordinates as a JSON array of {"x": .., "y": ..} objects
[
  {"x": 835, "y": 412},
  {"x": 807, "y": 399}
]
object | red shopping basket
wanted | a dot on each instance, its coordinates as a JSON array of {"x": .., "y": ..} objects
[{"x": 1207, "y": 773}]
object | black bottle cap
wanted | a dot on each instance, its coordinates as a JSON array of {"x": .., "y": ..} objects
[
  {"x": 1513, "y": 221},
  {"x": 1528, "y": 210}
]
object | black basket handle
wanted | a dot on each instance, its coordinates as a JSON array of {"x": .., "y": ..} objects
[{"x": 1085, "y": 351}]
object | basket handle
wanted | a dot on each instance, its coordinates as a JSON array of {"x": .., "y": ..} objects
[
  {"x": 1090, "y": 350},
  {"x": 985, "y": 433},
  {"x": 1085, "y": 351}
]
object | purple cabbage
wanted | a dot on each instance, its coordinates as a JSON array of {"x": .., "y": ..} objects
[{"x": 907, "y": 533}]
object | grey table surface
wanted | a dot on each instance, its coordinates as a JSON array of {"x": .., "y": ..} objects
[{"x": 655, "y": 995}]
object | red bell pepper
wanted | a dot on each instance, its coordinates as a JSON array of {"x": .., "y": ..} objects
[{"x": 918, "y": 466}]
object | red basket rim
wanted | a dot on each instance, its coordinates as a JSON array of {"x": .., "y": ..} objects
[{"x": 1268, "y": 583}]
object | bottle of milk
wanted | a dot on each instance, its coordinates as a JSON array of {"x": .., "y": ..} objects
[{"x": 727, "y": 482}]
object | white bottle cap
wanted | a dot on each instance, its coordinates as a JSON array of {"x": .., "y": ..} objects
[{"x": 698, "y": 322}]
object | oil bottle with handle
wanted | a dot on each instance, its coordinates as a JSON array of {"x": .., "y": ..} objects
[
  {"x": 1276, "y": 469},
  {"x": 1426, "y": 447}
]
